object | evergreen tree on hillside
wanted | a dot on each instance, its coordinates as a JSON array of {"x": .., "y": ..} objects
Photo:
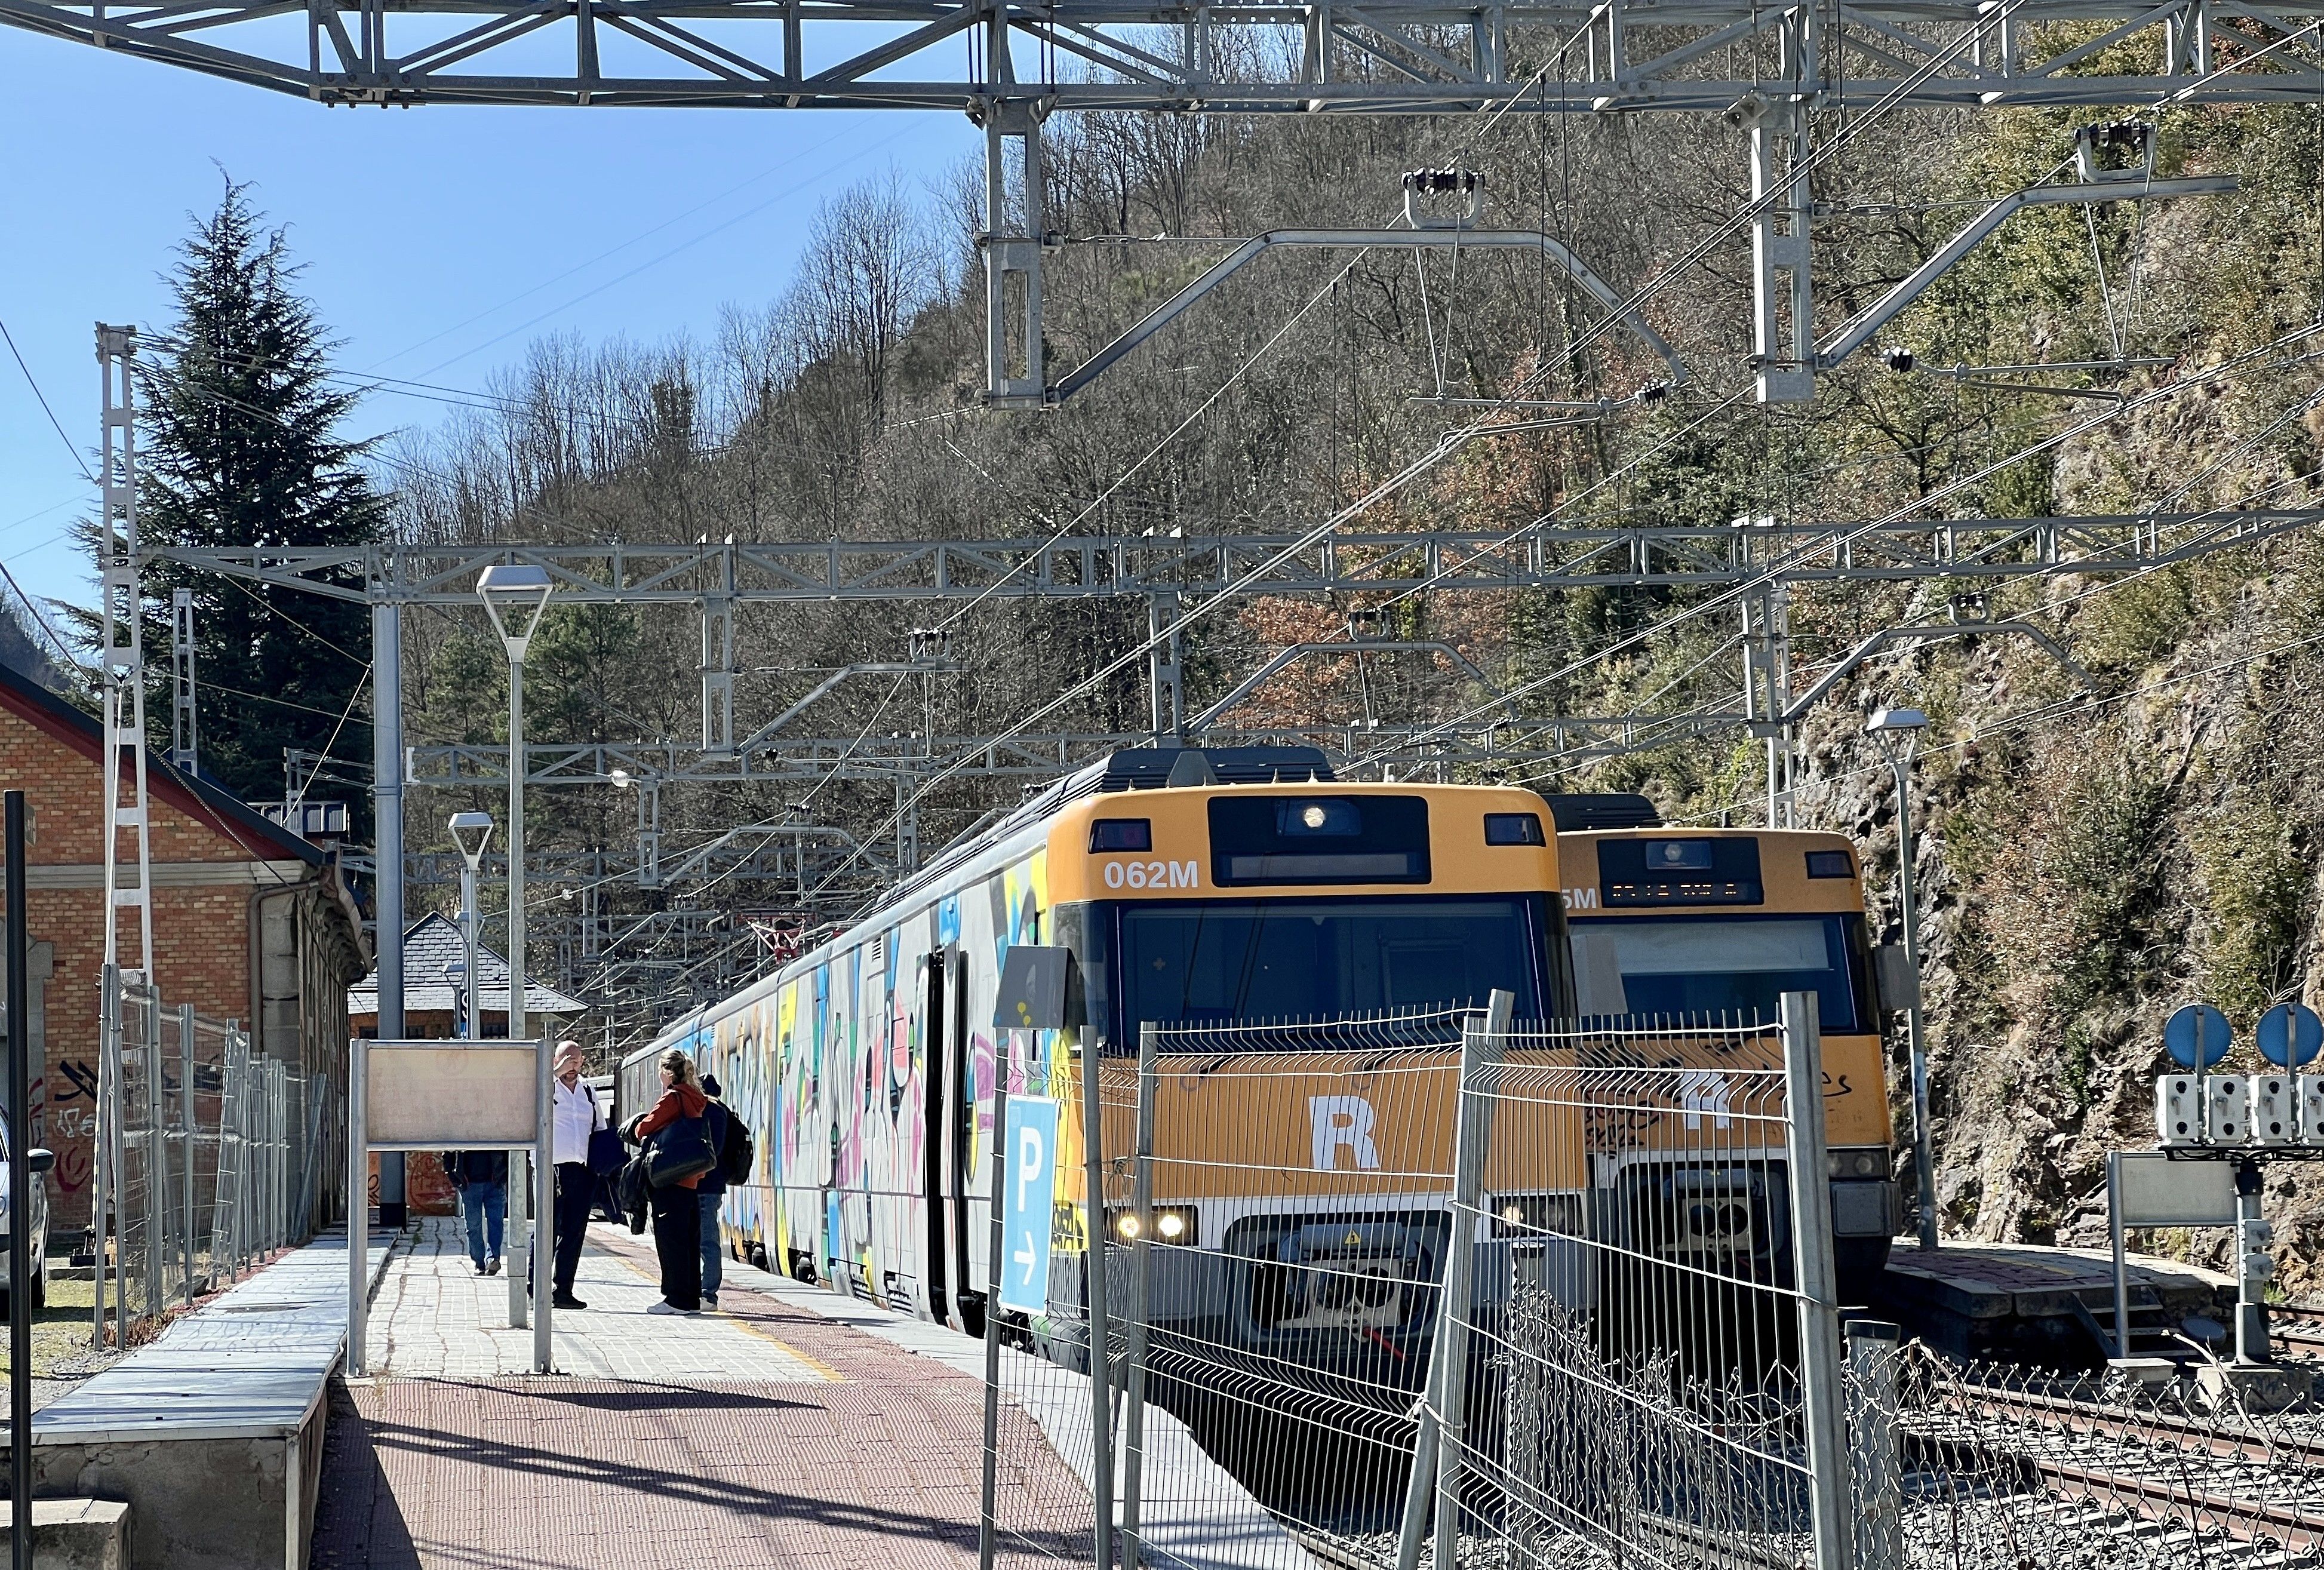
[{"x": 240, "y": 446}]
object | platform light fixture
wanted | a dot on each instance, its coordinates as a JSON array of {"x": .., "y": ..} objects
[
  {"x": 516, "y": 597},
  {"x": 1899, "y": 730}
]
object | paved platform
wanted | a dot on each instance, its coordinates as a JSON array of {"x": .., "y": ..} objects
[{"x": 765, "y": 1436}]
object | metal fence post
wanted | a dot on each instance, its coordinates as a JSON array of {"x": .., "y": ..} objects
[
  {"x": 108, "y": 1014},
  {"x": 186, "y": 1145},
  {"x": 117, "y": 1149},
  {"x": 1101, "y": 1351},
  {"x": 1820, "y": 1392},
  {"x": 1448, "y": 1349},
  {"x": 986, "y": 1520},
  {"x": 1133, "y": 1464},
  {"x": 1872, "y": 1355},
  {"x": 157, "y": 1159},
  {"x": 359, "y": 1204}
]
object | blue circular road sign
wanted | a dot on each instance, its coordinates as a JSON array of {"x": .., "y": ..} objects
[
  {"x": 2197, "y": 1036},
  {"x": 2289, "y": 1035}
]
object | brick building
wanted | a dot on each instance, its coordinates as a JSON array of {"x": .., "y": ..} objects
[{"x": 250, "y": 922}]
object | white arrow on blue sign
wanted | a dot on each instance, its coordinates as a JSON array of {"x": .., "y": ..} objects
[{"x": 1028, "y": 1189}]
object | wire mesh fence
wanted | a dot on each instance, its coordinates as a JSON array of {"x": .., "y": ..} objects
[
  {"x": 206, "y": 1157},
  {"x": 1434, "y": 1288},
  {"x": 2005, "y": 1466}
]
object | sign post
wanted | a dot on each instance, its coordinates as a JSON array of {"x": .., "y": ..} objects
[{"x": 437, "y": 1095}]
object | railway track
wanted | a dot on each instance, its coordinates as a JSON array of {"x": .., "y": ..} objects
[{"x": 2261, "y": 1490}]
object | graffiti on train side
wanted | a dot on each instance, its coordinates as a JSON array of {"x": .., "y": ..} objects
[{"x": 830, "y": 1071}]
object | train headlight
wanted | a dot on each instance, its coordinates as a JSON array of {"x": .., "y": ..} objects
[
  {"x": 1173, "y": 1223},
  {"x": 1869, "y": 1162}
]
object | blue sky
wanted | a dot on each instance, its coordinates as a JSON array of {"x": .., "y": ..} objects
[{"x": 411, "y": 223}]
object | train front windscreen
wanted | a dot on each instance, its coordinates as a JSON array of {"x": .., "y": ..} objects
[
  {"x": 1311, "y": 958},
  {"x": 1722, "y": 966}
]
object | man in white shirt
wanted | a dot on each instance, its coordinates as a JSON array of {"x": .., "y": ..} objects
[{"x": 574, "y": 1118}]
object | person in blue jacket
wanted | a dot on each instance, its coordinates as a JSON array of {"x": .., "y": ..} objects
[
  {"x": 482, "y": 1177},
  {"x": 711, "y": 1194}
]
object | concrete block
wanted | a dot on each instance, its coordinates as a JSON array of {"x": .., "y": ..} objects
[
  {"x": 2267, "y": 1386},
  {"x": 73, "y": 1534}
]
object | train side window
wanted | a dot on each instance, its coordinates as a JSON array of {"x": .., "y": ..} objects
[
  {"x": 1829, "y": 864},
  {"x": 1514, "y": 829}
]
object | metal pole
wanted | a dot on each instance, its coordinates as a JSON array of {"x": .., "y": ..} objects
[
  {"x": 1101, "y": 1325},
  {"x": 544, "y": 1210},
  {"x": 186, "y": 1145},
  {"x": 20, "y": 1188},
  {"x": 1482, "y": 1043},
  {"x": 1925, "y": 1170},
  {"x": 1133, "y": 1462},
  {"x": 1872, "y": 1355},
  {"x": 157, "y": 1154},
  {"x": 470, "y": 920},
  {"x": 2115, "y": 1240},
  {"x": 986, "y": 1520},
  {"x": 358, "y": 1202},
  {"x": 116, "y": 1152},
  {"x": 2253, "y": 1265},
  {"x": 516, "y": 1022},
  {"x": 387, "y": 806},
  {"x": 108, "y": 1014},
  {"x": 1820, "y": 1388}
]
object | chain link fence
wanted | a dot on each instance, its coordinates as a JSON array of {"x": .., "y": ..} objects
[
  {"x": 207, "y": 1154},
  {"x": 2005, "y": 1466},
  {"x": 1437, "y": 1289}
]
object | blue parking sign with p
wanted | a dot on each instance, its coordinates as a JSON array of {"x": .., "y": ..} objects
[{"x": 1029, "y": 1187}]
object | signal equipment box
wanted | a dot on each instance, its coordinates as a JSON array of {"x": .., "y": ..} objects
[
  {"x": 2179, "y": 1110},
  {"x": 2310, "y": 1094},
  {"x": 2227, "y": 1109},
  {"x": 2274, "y": 1108}
]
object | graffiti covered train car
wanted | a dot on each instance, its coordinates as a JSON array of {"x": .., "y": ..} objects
[{"x": 1188, "y": 884}]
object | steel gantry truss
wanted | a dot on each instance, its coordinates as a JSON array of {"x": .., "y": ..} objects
[{"x": 1403, "y": 57}]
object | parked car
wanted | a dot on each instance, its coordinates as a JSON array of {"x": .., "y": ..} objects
[{"x": 38, "y": 1219}]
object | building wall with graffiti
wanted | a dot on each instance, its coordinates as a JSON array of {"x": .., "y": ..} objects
[
  {"x": 225, "y": 885},
  {"x": 828, "y": 1063}
]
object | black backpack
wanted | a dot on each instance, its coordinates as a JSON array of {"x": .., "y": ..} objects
[{"x": 736, "y": 1156}]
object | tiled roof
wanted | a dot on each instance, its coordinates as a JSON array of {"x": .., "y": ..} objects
[{"x": 429, "y": 949}]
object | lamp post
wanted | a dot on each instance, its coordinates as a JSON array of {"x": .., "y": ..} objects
[
  {"x": 1899, "y": 731},
  {"x": 515, "y": 596},
  {"x": 471, "y": 832}
]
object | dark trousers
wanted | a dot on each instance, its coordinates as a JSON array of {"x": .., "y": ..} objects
[
  {"x": 677, "y": 1242},
  {"x": 576, "y": 1185}
]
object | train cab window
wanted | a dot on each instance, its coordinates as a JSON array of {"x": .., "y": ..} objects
[
  {"x": 1739, "y": 966},
  {"x": 1514, "y": 829},
  {"x": 1829, "y": 864},
  {"x": 1279, "y": 959},
  {"x": 1121, "y": 833}
]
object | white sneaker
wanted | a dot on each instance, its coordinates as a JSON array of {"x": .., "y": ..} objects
[
  {"x": 661, "y": 1307},
  {"x": 710, "y": 1301}
]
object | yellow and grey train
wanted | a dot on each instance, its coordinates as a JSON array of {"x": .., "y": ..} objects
[{"x": 1207, "y": 887}]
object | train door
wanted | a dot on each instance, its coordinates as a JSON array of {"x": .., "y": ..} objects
[
  {"x": 960, "y": 1127},
  {"x": 935, "y": 1057}
]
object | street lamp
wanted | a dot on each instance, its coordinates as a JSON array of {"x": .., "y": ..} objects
[
  {"x": 515, "y": 596},
  {"x": 1899, "y": 731},
  {"x": 471, "y": 832}
]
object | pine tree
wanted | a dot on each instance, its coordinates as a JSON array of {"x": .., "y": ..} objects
[{"x": 240, "y": 446}]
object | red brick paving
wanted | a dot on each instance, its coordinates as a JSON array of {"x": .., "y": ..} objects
[{"x": 880, "y": 1467}]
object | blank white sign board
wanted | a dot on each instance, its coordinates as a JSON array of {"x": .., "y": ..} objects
[
  {"x": 451, "y": 1095},
  {"x": 2151, "y": 1189}
]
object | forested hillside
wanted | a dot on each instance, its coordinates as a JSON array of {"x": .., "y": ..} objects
[{"x": 2095, "y": 847}]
